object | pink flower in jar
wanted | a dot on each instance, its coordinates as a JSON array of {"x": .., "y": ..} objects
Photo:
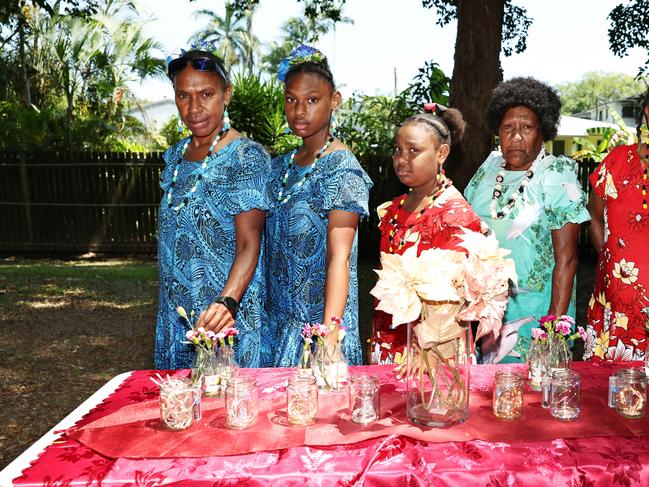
[
  {"x": 539, "y": 334},
  {"x": 564, "y": 328}
]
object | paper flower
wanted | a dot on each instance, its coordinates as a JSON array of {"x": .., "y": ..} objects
[{"x": 407, "y": 280}]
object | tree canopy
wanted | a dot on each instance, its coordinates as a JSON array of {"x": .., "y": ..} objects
[
  {"x": 630, "y": 28},
  {"x": 596, "y": 87}
]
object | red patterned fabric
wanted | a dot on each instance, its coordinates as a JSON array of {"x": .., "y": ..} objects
[
  {"x": 438, "y": 227},
  {"x": 618, "y": 312},
  {"x": 596, "y": 460}
]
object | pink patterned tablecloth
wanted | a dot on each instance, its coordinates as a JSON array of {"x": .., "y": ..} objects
[{"x": 591, "y": 456}]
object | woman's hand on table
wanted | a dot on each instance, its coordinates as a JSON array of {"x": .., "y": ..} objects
[{"x": 216, "y": 318}]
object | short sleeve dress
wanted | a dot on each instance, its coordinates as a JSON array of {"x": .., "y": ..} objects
[
  {"x": 296, "y": 248},
  {"x": 552, "y": 199},
  {"x": 196, "y": 248},
  {"x": 618, "y": 312}
]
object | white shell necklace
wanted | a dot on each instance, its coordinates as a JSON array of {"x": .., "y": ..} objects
[
  {"x": 199, "y": 178},
  {"x": 511, "y": 202},
  {"x": 291, "y": 163}
]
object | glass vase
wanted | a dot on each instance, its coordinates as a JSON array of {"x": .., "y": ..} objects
[
  {"x": 328, "y": 369},
  {"x": 305, "y": 365},
  {"x": 438, "y": 374}
]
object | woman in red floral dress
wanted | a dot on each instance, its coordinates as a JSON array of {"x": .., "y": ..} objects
[
  {"x": 618, "y": 312},
  {"x": 431, "y": 215}
]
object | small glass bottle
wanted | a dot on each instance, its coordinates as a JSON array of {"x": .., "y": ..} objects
[
  {"x": 302, "y": 399},
  {"x": 631, "y": 393},
  {"x": 241, "y": 402},
  {"x": 305, "y": 365},
  {"x": 364, "y": 399},
  {"x": 211, "y": 374},
  {"x": 565, "y": 395},
  {"x": 508, "y": 395},
  {"x": 227, "y": 364},
  {"x": 341, "y": 367},
  {"x": 536, "y": 358},
  {"x": 612, "y": 390}
]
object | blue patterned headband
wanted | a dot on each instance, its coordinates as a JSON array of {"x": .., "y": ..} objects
[{"x": 299, "y": 55}]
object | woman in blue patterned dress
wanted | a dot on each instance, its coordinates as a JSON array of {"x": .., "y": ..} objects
[
  {"x": 210, "y": 222},
  {"x": 318, "y": 192}
]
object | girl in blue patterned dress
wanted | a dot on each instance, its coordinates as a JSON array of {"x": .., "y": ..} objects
[
  {"x": 210, "y": 222},
  {"x": 318, "y": 192}
]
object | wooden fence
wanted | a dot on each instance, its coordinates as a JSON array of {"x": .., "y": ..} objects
[{"x": 108, "y": 202}]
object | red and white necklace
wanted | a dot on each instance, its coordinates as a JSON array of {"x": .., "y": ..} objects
[{"x": 443, "y": 184}]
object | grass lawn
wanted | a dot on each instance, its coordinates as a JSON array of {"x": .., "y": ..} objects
[{"x": 67, "y": 326}]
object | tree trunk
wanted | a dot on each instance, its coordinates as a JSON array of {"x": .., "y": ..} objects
[
  {"x": 475, "y": 74},
  {"x": 26, "y": 94}
]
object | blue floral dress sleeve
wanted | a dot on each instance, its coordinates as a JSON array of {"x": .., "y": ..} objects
[
  {"x": 245, "y": 179},
  {"x": 349, "y": 187},
  {"x": 564, "y": 200}
]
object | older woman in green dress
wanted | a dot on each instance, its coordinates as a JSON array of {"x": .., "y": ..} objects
[{"x": 534, "y": 204}]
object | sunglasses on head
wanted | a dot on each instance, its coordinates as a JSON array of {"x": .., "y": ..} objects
[{"x": 198, "y": 63}]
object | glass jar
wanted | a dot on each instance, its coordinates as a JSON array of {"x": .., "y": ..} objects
[
  {"x": 227, "y": 364},
  {"x": 565, "y": 395},
  {"x": 241, "y": 402},
  {"x": 177, "y": 399},
  {"x": 364, "y": 399},
  {"x": 508, "y": 395},
  {"x": 302, "y": 400},
  {"x": 631, "y": 393}
]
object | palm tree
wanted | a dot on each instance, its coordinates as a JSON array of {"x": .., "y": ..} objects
[{"x": 232, "y": 33}]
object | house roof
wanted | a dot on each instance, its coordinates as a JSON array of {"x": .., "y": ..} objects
[{"x": 576, "y": 127}]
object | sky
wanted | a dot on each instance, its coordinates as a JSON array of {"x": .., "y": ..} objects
[{"x": 567, "y": 39}]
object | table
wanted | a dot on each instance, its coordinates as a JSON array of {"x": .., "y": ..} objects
[{"x": 388, "y": 460}]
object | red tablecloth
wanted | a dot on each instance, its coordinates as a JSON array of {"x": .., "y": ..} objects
[{"x": 595, "y": 460}]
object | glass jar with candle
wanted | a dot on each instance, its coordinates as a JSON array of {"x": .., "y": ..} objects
[
  {"x": 241, "y": 402},
  {"x": 565, "y": 395},
  {"x": 631, "y": 393},
  {"x": 508, "y": 395},
  {"x": 364, "y": 399},
  {"x": 302, "y": 399}
]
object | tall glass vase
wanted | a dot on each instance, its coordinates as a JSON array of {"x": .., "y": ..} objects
[{"x": 438, "y": 376}]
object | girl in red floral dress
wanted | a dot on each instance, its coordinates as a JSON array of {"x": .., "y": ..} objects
[
  {"x": 431, "y": 215},
  {"x": 618, "y": 312}
]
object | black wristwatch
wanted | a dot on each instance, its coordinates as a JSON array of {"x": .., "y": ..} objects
[{"x": 229, "y": 303}]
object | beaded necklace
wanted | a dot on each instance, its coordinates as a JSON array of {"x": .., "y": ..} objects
[
  {"x": 199, "y": 178},
  {"x": 444, "y": 183},
  {"x": 511, "y": 202},
  {"x": 291, "y": 163}
]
